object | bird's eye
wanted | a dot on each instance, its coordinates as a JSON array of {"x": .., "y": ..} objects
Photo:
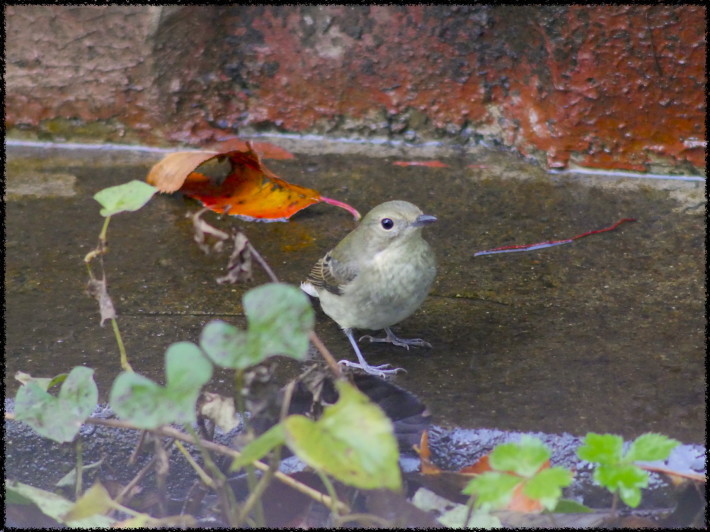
[{"x": 387, "y": 223}]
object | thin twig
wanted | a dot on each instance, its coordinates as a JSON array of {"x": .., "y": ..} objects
[
  {"x": 325, "y": 353},
  {"x": 317, "y": 342},
  {"x": 228, "y": 501},
  {"x": 138, "y": 448},
  {"x": 174, "y": 433},
  {"x": 263, "y": 263},
  {"x": 204, "y": 477},
  {"x": 135, "y": 480},
  {"x": 256, "y": 493}
]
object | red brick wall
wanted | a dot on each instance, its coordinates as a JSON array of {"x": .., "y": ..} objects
[{"x": 599, "y": 86}]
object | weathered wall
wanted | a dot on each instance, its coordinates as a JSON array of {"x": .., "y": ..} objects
[{"x": 599, "y": 86}]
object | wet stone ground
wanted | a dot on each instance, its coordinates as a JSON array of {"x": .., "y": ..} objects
[{"x": 605, "y": 334}]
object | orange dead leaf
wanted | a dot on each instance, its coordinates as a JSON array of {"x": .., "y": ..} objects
[
  {"x": 519, "y": 502},
  {"x": 250, "y": 189},
  {"x": 430, "y": 164},
  {"x": 522, "y": 503},
  {"x": 481, "y": 466},
  {"x": 427, "y": 467}
]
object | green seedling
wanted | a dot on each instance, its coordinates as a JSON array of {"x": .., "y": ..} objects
[
  {"x": 128, "y": 197},
  {"x": 616, "y": 470}
]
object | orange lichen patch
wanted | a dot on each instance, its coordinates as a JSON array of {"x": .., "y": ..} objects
[{"x": 623, "y": 91}]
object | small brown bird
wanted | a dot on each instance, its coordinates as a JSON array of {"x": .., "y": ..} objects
[{"x": 378, "y": 275}]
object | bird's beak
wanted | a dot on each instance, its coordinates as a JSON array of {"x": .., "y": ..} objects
[{"x": 424, "y": 219}]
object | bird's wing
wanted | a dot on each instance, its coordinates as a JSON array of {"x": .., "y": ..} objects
[{"x": 331, "y": 274}]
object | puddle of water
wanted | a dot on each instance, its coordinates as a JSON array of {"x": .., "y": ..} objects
[{"x": 605, "y": 334}]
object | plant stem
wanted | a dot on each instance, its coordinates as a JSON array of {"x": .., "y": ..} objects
[
  {"x": 331, "y": 491},
  {"x": 125, "y": 365},
  {"x": 79, "y": 467},
  {"x": 225, "y": 493}
]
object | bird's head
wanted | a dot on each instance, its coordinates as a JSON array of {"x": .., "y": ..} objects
[{"x": 391, "y": 222}]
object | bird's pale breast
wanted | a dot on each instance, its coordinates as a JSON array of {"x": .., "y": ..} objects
[{"x": 388, "y": 288}]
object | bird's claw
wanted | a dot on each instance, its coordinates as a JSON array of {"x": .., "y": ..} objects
[
  {"x": 378, "y": 371},
  {"x": 399, "y": 342}
]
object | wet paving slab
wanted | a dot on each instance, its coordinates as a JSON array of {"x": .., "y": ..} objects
[{"x": 605, "y": 334}]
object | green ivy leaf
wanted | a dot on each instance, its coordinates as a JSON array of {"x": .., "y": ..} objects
[
  {"x": 149, "y": 405},
  {"x": 353, "y": 441},
  {"x": 601, "y": 448},
  {"x": 130, "y": 196},
  {"x": 225, "y": 345},
  {"x": 492, "y": 489},
  {"x": 524, "y": 458},
  {"x": 58, "y": 418},
  {"x": 279, "y": 318},
  {"x": 547, "y": 486},
  {"x": 649, "y": 447}
]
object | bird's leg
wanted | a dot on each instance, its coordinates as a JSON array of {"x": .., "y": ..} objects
[
  {"x": 391, "y": 338},
  {"x": 379, "y": 371}
]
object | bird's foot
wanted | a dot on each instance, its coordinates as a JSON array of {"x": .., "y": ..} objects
[
  {"x": 393, "y": 339},
  {"x": 378, "y": 371}
]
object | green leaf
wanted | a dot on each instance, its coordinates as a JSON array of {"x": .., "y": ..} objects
[
  {"x": 631, "y": 496},
  {"x": 353, "y": 441},
  {"x": 524, "y": 458},
  {"x": 149, "y": 405},
  {"x": 260, "y": 447},
  {"x": 649, "y": 447},
  {"x": 547, "y": 485},
  {"x": 492, "y": 489},
  {"x": 58, "y": 418},
  {"x": 53, "y": 505},
  {"x": 601, "y": 448},
  {"x": 627, "y": 479},
  {"x": 130, "y": 196},
  {"x": 279, "y": 318}
]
